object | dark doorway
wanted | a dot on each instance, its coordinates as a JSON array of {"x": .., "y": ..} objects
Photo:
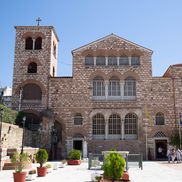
[
  {"x": 161, "y": 149},
  {"x": 78, "y": 145}
]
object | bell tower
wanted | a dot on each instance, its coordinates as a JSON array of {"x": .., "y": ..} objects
[{"x": 35, "y": 61}]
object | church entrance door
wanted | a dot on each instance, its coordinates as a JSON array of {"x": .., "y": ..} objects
[
  {"x": 78, "y": 145},
  {"x": 160, "y": 149}
]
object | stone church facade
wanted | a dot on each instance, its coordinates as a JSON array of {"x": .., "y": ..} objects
[{"x": 112, "y": 101}]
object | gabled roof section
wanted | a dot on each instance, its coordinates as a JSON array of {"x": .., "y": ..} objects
[
  {"x": 112, "y": 36},
  {"x": 168, "y": 71}
]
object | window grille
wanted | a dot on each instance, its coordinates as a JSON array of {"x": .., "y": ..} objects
[
  {"x": 159, "y": 118},
  {"x": 100, "y": 61},
  {"x": 114, "y": 87},
  {"x": 98, "y": 87},
  {"x": 98, "y": 124},
  {"x": 130, "y": 125},
  {"x": 112, "y": 61},
  {"x": 89, "y": 61},
  {"x": 78, "y": 120},
  {"x": 114, "y": 125},
  {"x": 123, "y": 61},
  {"x": 130, "y": 87},
  {"x": 135, "y": 60}
]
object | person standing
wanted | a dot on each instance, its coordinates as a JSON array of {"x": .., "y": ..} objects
[
  {"x": 178, "y": 155},
  {"x": 173, "y": 155},
  {"x": 160, "y": 152},
  {"x": 169, "y": 155}
]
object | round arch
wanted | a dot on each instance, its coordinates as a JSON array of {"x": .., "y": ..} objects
[
  {"x": 30, "y": 81},
  {"x": 130, "y": 74},
  {"x": 97, "y": 73},
  {"x": 31, "y": 91}
]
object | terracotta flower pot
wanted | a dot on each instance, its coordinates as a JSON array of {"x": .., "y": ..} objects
[
  {"x": 41, "y": 171},
  {"x": 125, "y": 176},
  {"x": 19, "y": 176},
  {"x": 74, "y": 162}
]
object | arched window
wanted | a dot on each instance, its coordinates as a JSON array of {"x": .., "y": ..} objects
[
  {"x": 32, "y": 68},
  {"x": 130, "y": 87},
  {"x": 159, "y": 118},
  {"x": 98, "y": 86},
  {"x": 114, "y": 87},
  {"x": 29, "y": 43},
  {"x": 78, "y": 120},
  {"x": 32, "y": 121},
  {"x": 38, "y": 43},
  {"x": 31, "y": 91},
  {"x": 130, "y": 125},
  {"x": 114, "y": 124},
  {"x": 98, "y": 124},
  {"x": 89, "y": 60}
]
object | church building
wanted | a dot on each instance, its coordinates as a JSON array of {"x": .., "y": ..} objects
[{"x": 112, "y": 101}]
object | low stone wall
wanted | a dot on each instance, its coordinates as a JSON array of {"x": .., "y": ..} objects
[
  {"x": 12, "y": 135},
  {"x": 3, "y": 157},
  {"x": 11, "y": 141}
]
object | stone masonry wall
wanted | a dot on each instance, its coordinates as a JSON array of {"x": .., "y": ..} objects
[
  {"x": 12, "y": 135},
  {"x": 43, "y": 59}
]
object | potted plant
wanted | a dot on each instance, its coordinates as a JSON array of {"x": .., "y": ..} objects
[
  {"x": 74, "y": 157},
  {"x": 96, "y": 177},
  {"x": 31, "y": 175},
  {"x": 41, "y": 158},
  {"x": 20, "y": 161},
  {"x": 114, "y": 165},
  {"x": 49, "y": 168}
]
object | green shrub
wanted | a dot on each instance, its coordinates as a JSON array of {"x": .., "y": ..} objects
[
  {"x": 20, "y": 160},
  {"x": 175, "y": 139},
  {"x": 41, "y": 156},
  {"x": 114, "y": 165},
  {"x": 9, "y": 115},
  {"x": 74, "y": 155}
]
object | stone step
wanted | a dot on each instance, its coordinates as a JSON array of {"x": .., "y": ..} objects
[
  {"x": 9, "y": 166},
  {"x": 6, "y": 159}
]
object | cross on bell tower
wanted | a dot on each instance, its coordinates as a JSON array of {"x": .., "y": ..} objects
[{"x": 38, "y": 20}]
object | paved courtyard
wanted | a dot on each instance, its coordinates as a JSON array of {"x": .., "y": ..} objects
[{"x": 152, "y": 172}]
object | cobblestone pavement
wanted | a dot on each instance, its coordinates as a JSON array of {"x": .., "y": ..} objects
[{"x": 152, "y": 172}]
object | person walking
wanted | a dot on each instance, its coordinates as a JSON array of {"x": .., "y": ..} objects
[
  {"x": 160, "y": 152},
  {"x": 178, "y": 155},
  {"x": 169, "y": 152},
  {"x": 173, "y": 155}
]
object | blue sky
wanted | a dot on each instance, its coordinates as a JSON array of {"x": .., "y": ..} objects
[{"x": 155, "y": 24}]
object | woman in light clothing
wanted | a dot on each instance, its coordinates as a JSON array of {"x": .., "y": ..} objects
[
  {"x": 178, "y": 155},
  {"x": 173, "y": 155}
]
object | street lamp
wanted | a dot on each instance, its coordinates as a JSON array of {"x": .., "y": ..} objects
[
  {"x": 23, "y": 122},
  {"x": 1, "y": 118}
]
